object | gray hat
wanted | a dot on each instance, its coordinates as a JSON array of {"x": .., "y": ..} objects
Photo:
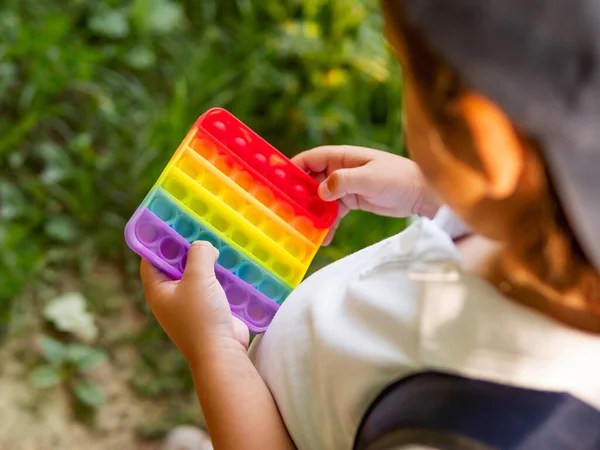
[{"x": 539, "y": 60}]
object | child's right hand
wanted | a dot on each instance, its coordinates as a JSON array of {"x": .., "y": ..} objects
[{"x": 370, "y": 180}]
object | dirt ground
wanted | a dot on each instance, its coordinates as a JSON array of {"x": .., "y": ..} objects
[{"x": 31, "y": 419}]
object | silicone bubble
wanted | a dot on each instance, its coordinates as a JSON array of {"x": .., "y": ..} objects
[
  {"x": 210, "y": 237},
  {"x": 219, "y": 223},
  {"x": 272, "y": 290},
  {"x": 240, "y": 142},
  {"x": 147, "y": 233},
  {"x": 244, "y": 180},
  {"x": 299, "y": 192},
  {"x": 230, "y": 257},
  {"x": 280, "y": 176},
  {"x": 274, "y": 231},
  {"x": 294, "y": 249},
  {"x": 170, "y": 250},
  {"x": 205, "y": 147},
  {"x": 315, "y": 206},
  {"x": 190, "y": 167},
  {"x": 212, "y": 184},
  {"x": 169, "y": 256},
  {"x": 284, "y": 211},
  {"x": 305, "y": 227},
  {"x": 154, "y": 240},
  {"x": 249, "y": 274},
  {"x": 198, "y": 206},
  {"x": 259, "y": 161},
  {"x": 264, "y": 195},
  {"x": 163, "y": 209},
  {"x": 282, "y": 269},
  {"x": 261, "y": 253},
  {"x": 185, "y": 226},
  {"x": 176, "y": 188},
  {"x": 240, "y": 238},
  {"x": 233, "y": 201},
  {"x": 273, "y": 169},
  {"x": 227, "y": 186},
  {"x": 254, "y": 216},
  {"x": 237, "y": 297},
  {"x": 257, "y": 313},
  {"x": 225, "y": 215},
  {"x": 225, "y": 165}
]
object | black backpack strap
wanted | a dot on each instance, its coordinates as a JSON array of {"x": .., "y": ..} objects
[{"x": 482, "y": 413}]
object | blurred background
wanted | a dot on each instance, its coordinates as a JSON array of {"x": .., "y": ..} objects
[{"x": 94, "y": 98}]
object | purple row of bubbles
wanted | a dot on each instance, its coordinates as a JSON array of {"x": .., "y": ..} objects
[{"x": 156, "y": 242}]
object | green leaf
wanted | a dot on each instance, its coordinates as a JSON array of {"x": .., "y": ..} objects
[
  {"x": 140, "y": 57},
  {"x": 61, "y": 228},
  {"x": 12, "y": 201},
  {"x": 89, "y": 393},
  {"x": 68, "y": 313},
  {"x": 166, "y": 16},
  {"x": 158, "y": 16},
  {"x": 110, "y": 22},
  {"x": 44, "y": 377},
  {"x": 85, "y": 358},
  {"x": 53, "y": 351}
]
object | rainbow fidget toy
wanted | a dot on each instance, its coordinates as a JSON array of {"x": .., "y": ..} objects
[{"x": 228, "y": 186}]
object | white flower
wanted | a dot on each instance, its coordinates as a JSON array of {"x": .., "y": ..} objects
[{"x": 67, "y": 312}]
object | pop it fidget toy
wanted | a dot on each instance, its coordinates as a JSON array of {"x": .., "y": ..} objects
[{"x": 228, "y": 186}]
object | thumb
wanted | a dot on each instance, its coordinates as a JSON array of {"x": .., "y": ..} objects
[
  {"x": 201, "y": 258},
  {"x": 357, "y": 180}
]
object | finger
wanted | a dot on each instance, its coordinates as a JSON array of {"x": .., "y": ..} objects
[
  {"x": 153, "y": 279},
  {"x": 241, "y": 332},
  {"x": 330, "y": 235},
  {"x": 319, "y": 177},
  {"x": 320, "y": 158},
  {"x": 342, "y": 182},
  {"x": 343, "y": 211},
  {"x": 150, "y": 275},
  {"x": 201, "y": 260}
]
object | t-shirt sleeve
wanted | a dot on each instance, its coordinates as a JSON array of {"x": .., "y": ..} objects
[{"x": 450, "y": 223}]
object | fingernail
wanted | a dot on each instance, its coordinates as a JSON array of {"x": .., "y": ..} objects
[
  {"x": 324, "y": 191},
  {"x": 202, "y": 244}
]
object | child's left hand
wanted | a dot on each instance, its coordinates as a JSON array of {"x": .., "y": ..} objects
[
  {"x": 239, "y": 409},
  {"x": 194, "y": 311}
]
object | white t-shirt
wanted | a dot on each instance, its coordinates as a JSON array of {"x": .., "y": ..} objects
[{"x": 401, "y": 306}]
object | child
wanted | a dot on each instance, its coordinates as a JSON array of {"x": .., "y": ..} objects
[{"x": 503, "y": 107}]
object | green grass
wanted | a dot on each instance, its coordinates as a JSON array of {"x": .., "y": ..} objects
[{"x": 96, "y": 96}]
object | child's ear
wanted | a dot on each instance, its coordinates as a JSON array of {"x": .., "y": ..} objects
[{"x": 496, "y": 143}]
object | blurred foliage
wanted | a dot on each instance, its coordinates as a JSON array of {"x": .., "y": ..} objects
[
  {"x": 96, "y": 95},
  {"x": 69, "y": 364}
]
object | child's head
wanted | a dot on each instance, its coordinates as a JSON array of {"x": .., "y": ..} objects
[{"x": 503, "y": 116}]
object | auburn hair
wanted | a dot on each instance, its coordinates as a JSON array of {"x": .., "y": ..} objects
[{"x": 542, "y": 252}]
